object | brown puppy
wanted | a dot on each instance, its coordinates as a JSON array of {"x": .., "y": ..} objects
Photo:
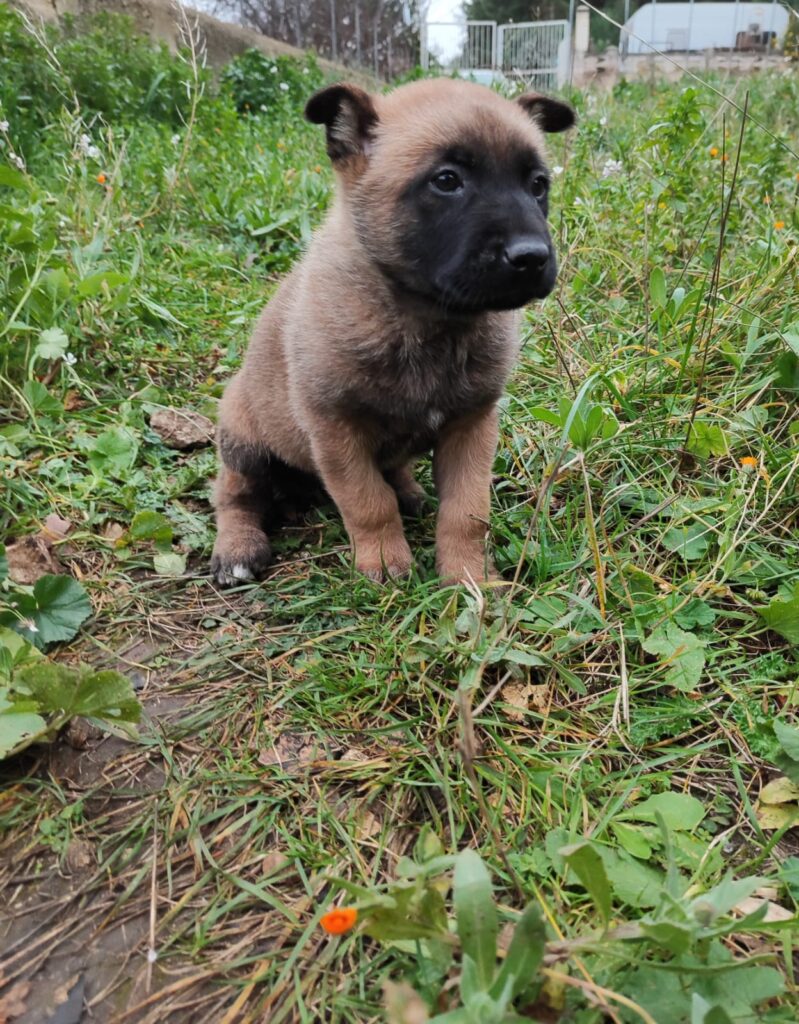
[{"x": 395, "y": 334}]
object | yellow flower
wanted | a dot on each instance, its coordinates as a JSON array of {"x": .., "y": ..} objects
[
  {"x": 748, "y": 462},
  {"x": 281, "y": 144},
  {"x": 779, "y": 225},
  {"x": 714, "y": 151},
  {"x": 661, "y": 205},
  {"x": 101, "y": 178}
]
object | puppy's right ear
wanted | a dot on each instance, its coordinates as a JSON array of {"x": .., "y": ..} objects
[{"x": 349, "y": 117}]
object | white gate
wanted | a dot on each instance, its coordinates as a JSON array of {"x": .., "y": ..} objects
[{"x": 534, "y": 53}]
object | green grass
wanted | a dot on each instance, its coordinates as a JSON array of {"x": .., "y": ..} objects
[{"x": 311, "y": 727}]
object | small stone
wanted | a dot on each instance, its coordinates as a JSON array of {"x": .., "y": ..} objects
[{"x": 80, "y": 856}]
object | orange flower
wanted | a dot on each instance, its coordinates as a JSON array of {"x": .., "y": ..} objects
[
  {"x": 714, "y": 151},
  {"x": 101, "y": 178},
  {"x": 779, "y": 225},
  {"x": 339, "y": 920},
  {"x": 725, "y": 157},
  {"x": 748, "y": 462}
]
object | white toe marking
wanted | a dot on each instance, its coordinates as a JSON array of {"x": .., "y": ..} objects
[{"x": 241, "y": 572}]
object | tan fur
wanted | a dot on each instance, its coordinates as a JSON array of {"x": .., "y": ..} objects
[{"x": 322, "y": 342}]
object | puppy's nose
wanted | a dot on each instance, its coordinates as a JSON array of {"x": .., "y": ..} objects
[{"x": 527, "y": 253}]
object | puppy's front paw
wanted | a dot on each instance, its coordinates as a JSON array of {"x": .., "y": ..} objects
[
  {"x": 236, "y": 560},
  {"x": 457, "y": 563},
  {"x": 387, "y": 558}
]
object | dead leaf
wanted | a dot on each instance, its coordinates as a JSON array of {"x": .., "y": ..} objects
[
  {"x": 12, "y": 1004},
  {"x": 29, "y": 558},
  {"x": 522, "y": 698},
  {"x": 112, "y": 532},
  {"x": 73, "y": 401},
  {"x": 273, "y": 862},
  {"x": 55, "y": 528},
  {"x": 80, "y": 732},
  {"x": 404, "y": 1005},
  {"x": 775, "y": 816},
  {"x": 780, "y": 791},
  {"x": 295, "y": 750},
  {"x": 80, "y": 856},
  {"x": 774, "y": 913},
  {"x": 368, "y": 825},
  {"x": 182, "y": 428}
]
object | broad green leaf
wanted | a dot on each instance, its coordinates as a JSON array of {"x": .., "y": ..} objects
[
  {"x": 722, "y": 898},
  {"x": 52, "y": 344},
  {"x": 690, "y": 541},
  {"x": 586, "y": 863},
  {"x": 525, "y": 953},
  {"x": 169, "y": 563},
  {"x": 633, "y": 882},
  {"x": 632, "y": 840},
  {"x": 783, "y": 616},
  {"x": 657, "y": 288},
  {"x": 12, "y": 178},
  {"x": 149, "y": 525},
  {"x": 695, "y": 613},
  {"x": 106, "y": 694},
  {"x": 681, "y": 653},
  {"x": 93, "y": 284},
  {"x": 476, "y": 914},
  {"x": 56, "y": 610},
  {"x": 53, "y": 686},
  {"x": 16, "y": 727},
  {"x": 114, "y": 452},
  {"x": 40, "y": 400},
  {"x": 546, "y": 416},
  {"x": 703, "y": 1013},
  {"x": 675, "y": 936},
  {"x": 788, "y": 738},
  {"x": 680, "y": 811},
  {"x": 706, "y": 439}
]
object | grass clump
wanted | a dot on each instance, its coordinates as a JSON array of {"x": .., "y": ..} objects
[{"x": 614, "y": 732}]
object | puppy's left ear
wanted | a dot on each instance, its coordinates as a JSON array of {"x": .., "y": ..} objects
[
  {"x": 550, "y": 115},
  {"x": 349, "y": 117}
]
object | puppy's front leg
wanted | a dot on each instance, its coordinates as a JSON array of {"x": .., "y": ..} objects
[
  {"x": 368, "y": 504},
  {"x": 462, "y": 465}
]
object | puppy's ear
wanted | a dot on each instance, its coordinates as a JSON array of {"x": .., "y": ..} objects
[
  {"x": 550, "y": 115},
  {"x": 349, "y": 117}
]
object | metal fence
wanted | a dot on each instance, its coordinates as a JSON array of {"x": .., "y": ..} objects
[{"x": 535, "y": 53}]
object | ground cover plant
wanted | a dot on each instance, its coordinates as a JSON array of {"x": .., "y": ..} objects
[{"x": 570, "y": 798}]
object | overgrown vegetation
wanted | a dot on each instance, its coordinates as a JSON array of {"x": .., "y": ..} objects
[{"x": 613, "y": 732}]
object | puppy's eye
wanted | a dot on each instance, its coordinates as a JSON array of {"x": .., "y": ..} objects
[
  {"x": 539, "y": 186},
  {"x": 446, "y": 181}
]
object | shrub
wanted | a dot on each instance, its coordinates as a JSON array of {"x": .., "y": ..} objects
[{"x": 256, "y": 83}]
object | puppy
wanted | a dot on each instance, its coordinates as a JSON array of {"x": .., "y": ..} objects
[{"x": 396, "y": 333}]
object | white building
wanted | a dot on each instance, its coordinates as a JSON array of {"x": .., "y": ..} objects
[{"x": 703, "y": 26}]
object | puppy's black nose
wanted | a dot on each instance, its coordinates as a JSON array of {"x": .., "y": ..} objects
[{"x": 527, "y": 253}]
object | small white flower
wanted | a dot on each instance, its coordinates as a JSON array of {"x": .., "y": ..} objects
[
  {"x": 557, "y": 171},
  {"x": 93, "y": 153},
  {"x": 3, "y": 126},
  {"x": 152, "y": 956},
  {"x": 30, "y": 625},
  {"x": 284, "y": 86},
  {"x": 175, "y": 139},
  {"x": 578, "y": 201},
  {"x": 611, "y": 167},
  {"x": 274, "y": 69},
  {"x": 70, "y": 358},
  {"x": 262, "y": 107},
  {"x": 603, "y": 121},
  {"x": 305, "y": 71},
  {"x": 20, "y": 163}
]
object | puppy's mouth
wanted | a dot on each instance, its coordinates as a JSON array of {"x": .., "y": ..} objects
[{"x": 495, "y": 284}]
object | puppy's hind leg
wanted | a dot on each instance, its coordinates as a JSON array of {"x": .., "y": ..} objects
[
  {"x": 242, "y": 498},
  {"x": 411, "y": 496}
]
